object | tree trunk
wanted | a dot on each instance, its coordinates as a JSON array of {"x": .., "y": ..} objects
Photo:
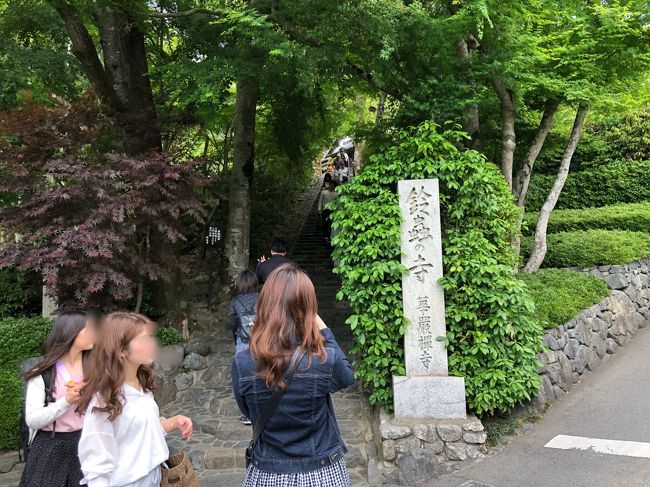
[
  {"x": 125, "y": 63},
  {"x": 471, "y": 121},
  {"x": 237, "y": 244},
  {"x": 523, "y": 175},
  {"x": 381, "y": 106},
  {"x": 539, "y": 248},
  {"x": 508, "y": 137},
  {"x": 122, "y": 81}
]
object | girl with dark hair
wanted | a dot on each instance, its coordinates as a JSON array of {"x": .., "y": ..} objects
[
  {"x": 242, "y": 313},
  {"x": 51, "y": 415},
  {"x": 242, "y": 308},
  {"x": 301, "y": 444},
  {"x": 123, "y": 437}
]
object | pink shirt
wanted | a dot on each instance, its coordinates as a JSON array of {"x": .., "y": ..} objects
[{"x": 70, "y": 420}]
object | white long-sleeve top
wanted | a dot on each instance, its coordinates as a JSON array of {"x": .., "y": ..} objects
[
  {"x": 326, "y": 197},
  {"x": 117, "y": 453},
  {"x": 37, "y": 415}
]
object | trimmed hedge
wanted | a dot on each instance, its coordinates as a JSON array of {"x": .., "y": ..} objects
[
  {"x": 11, "y": 391},
  {"x": 634, "y": 217},
  {"x": 586, "y": 248},
  {"x": 618, "y": 182},
  {"x": 561, "y": 294},
  {"x": 21, "y": 339}
]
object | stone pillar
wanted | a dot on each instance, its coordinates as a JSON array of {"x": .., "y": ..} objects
[
  {"x": 49, "y": 304},
  {"x": 426, "y": 392}
]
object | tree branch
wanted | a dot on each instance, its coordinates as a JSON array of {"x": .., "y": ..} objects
[
  {"x": 185, "y": 13},
  {"x": 508, "y": 135},
  {"x": 296, "y": 34},
  {"x": 84, "y": 50}
]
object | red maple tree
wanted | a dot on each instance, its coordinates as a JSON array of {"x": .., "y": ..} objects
[{"x": 99, "y": 226}]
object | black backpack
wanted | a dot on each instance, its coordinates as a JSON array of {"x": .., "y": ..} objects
[
  {"x": 24, "y": 429},
  {"x": 246, "y": 322}
]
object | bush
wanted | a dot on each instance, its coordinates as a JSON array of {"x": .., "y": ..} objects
[
  {"x": 634, "y": 217},
  {"x": 11, "y": 391},
  {"x": 19, "y": 295},
  {"x": 561, "y": 294},
  {"x": 586, "y": 248},
  {"x": 492, "y": 338},
  {"x": 21, "y": 339},
  {"x": 619, "y": 182},
  {"x": 169, "y": 336}
]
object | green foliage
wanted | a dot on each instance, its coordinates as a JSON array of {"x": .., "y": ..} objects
[
  {"x": 11, "y": 391},
  {"x": 21, "y": 339},
  {"x": 617, "y": 137},
  {"x": 169, "y": 336},
  {"x": 634, "y": 217},
  {"x": 586, "y": 248},
  {"x": 34, "y": 54},
  {"x": 561, "y": 294},
  {"x": 505, "y": 425},
  {"x": 19, "y": 295},
  {"x": 619, "y": 182},
  {"x": 492, "y": 336}
]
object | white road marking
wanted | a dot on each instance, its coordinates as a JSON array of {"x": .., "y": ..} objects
[{"x": 611, "y": 447}]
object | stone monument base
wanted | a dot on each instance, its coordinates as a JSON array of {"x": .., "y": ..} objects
[
  {"x": 413, "y": 451},
  {"x": 429, "y": 397}
]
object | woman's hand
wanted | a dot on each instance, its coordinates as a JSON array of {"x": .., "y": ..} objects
[
  {"x": 73, "y": 391},
  {"x": 184, "y": 424}
]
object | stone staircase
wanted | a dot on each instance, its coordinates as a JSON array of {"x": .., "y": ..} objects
[{"x": 217, "y": 447}]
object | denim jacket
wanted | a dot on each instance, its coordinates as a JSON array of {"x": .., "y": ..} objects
[
  {"x": 302, "y": 435},
  {"x": 239, "y": 306}
]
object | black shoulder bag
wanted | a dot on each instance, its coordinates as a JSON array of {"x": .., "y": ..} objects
[{"x": 272, "y": 405}]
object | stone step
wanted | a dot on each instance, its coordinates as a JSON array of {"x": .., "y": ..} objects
[{"x": 208, "y": 452}]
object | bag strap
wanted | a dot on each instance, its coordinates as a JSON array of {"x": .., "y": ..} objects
[
  {"x": 49, "y": 392},
  {"x": 47, "y": 382},
  {"x": 272, "y": 405}
]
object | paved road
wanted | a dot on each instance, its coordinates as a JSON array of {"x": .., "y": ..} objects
[{"x": 613, "y": 403}]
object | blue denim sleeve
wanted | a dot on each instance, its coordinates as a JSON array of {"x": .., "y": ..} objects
[
  {"x": 342, "y": 373},
  {"x": 235, "y": 389}
]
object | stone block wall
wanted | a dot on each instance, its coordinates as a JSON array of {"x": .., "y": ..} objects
[
  {"x": 583, "y": 342},
  {"x": 443, "y": 440},
  {"x": 633, "y": 279}
]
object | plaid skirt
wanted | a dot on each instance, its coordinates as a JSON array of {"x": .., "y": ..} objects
[
  {"x": 335, "y": 475},
  {"x": 53, "y": 461}
]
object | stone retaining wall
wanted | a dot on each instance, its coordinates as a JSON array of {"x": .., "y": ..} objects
[
  {"x": 633, "y": 279},
  {"x": 583, "y": 342},
  {"x": 423, "y": 447}
]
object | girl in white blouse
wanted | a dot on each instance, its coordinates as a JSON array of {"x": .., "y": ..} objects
[{"x": 123, "y": 438}]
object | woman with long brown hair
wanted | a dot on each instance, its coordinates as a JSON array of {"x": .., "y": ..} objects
[
  {"x": 300, "y": 445},
  {"x": 123, "y": 443},
  {"x": 53, "y": 388}
]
